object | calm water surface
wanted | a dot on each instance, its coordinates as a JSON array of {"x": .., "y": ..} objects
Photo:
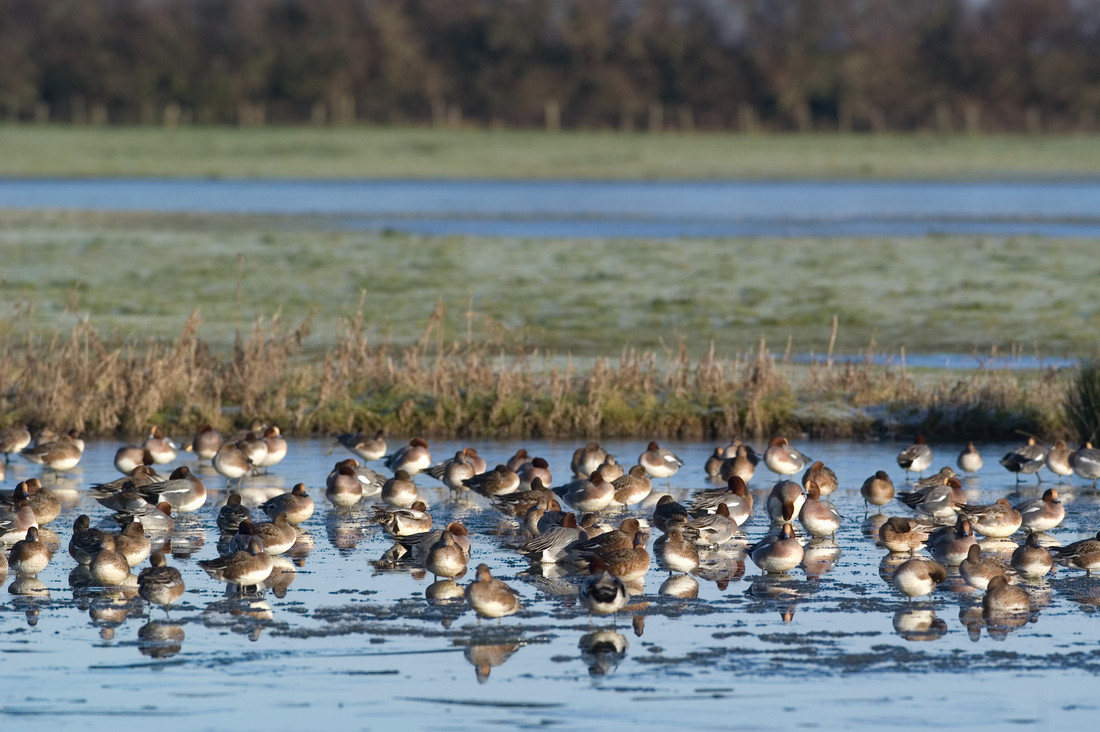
[
  {"x": 583, "y": 209},
  {"x": 360, "y": 647}
]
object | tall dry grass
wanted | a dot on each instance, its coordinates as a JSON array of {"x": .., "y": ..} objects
[{"x": 490, "y": 386}]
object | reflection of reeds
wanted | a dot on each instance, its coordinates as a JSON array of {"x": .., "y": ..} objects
[{"x": 483, "y": 386}]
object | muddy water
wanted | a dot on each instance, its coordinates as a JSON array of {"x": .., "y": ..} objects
[{"x": 361, "y": 647}]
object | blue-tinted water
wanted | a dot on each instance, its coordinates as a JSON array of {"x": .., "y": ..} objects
[
  {"x": 583, "y": 209},
  {"x": 832, "y": 645}
]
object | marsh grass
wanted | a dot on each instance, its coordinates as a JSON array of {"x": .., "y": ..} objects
[
  {"x": 1083, "y": 401},
  {"x": 482, "y": 386}
]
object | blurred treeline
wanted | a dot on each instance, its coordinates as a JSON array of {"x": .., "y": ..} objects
[{"x": 947, "y": 65}]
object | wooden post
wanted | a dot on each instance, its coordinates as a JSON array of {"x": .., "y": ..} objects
[
  {"x": 454, "y": 115},
  {"x": 41, "y": 113},
  {"x": 1033, "y": 120},
  {"x": 943, "y": 118},
  {"x": 802, "y": 118},
  {"x": 99, "y": 114},
  {"x": 878, "y": 120},
  {"x": 172, "y": 115},
  {"x": 747, "y": 119}
]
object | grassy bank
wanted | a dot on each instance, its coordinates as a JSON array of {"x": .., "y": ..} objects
[
  {"x": 142, "y": 275},
  {"x": 482, "y": 389},
  {"x": 367, "y": 152}
]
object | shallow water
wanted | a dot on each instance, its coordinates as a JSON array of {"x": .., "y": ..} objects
[
  {"x": 584, "y": 209},
  {"x": 363, "y": 648}
]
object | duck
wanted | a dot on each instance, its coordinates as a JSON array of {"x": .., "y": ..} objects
[
  {"x": 132, "y": 543},
  {"x": 712, "y": 529},
  {"x": 713, "y": 466},
  {"x": 497, "y": 482},
  {"x": 941, "y": 502},
  {"x": 601, "y": 592},
  {"x": 899, "y": 535},
  {"x": 783, "y": 459},
  {"x": 42, "y": 501},
  {"x": 629, "y": 565},
  {"x": 878, "y": 490},
  {"x": 996, "y": 520},
  {"x": 232, "y": 514},
  {"x": 581, "y": 551},
  {"x": 519, "y": 459},
  {"x": 587, "y": 459},
  {"x": 13, "y": 440},
  {"x": 1086, "y": 462},
  {"x": 1057, "y": 460},
  {"x": 1001, "y": 598},
  {"x": 416, "y": 546},
  {"x": 29, "y": 556},
  {"x": 156, "y": 519},
  {"x": 206, "y": 442},
  {"x": 587, "y": 495},
  {"x": 445, "y": 557},
  {"x": 916, "y": 458},
  {"x": 342, "y": 487},
  {"x": 140, "y": 477},
  {"x": 659, "y": 462},
  {"x": 551, "y": 546},
  {"x": 232, "y": 461},
  {"x": 822, "y": 475},
  {"x": 363, "y": 444},
  {"x": 742, "y": 464},
  {"x": 978, "y": 570},
  {"x": 276, "y": 448},
  {"x": 918, "y": 577},
  {"x": 183, "y": 489},
  {"x": 159, "y": 584},
  {"x": 297, "y": 505},
  {"x": 1041, "y": 514},
  {"x": 129, "y": 457},
  {"x": 1084, "y": 554},
  {"x": 969, "y": 460},
  {"x": 631, "y": 488},
  {"x": 818, "y": 516},
  {"x": 941, "y": 477},
  {"x": 777, "y": 554},
  {"x": 676, "y": 553},
  {"x": 490, "y": 597},
  {"x": 58, "y": 455},
  {"x": 610, "y": 469},
  {"x": 86, "y": 541},
  {"x": 277, "y": 536},
  {"x": 1032, "y": 561},
  {"x": 519, "y": 503},
  {"x": 162, "y": 449},
  {"x": 785, "y": 501},
  {"x": 669, "y": 514},
  {"x": 398, "y": 521},
  {"x": 950, "y": 544},
  {"x": 412, "y": 458},
  {"x": 245, "y": 568},
  {"x": 454, "y": 472},
  {"x": 14, "y": 525},
  {"x": 109, "y": 567},
  {"x": 538, "y": 469},
  {"x": 735, "y": 497},
  {"x": 1025, "y": 460},
  {"x": 400, "y": 490}
]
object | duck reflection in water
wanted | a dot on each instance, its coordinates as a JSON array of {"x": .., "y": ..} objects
[
  {"x": 602, "y": 651},
  {"x": 484, "y": 657},
  {"x": 160, "y": 639},
  {"x": 919, "y": 624},
  {"x": 344, "y": 527},
  {"x": 776, "y": 592}
]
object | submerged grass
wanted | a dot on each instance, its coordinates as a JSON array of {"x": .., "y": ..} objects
[
  {"x": 484, "y": 388},
  {"x": 389, "y": 152}
]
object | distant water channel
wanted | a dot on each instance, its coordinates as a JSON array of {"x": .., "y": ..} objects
[
  {"x": 583, "y": 209},
  {"x": 360, "y": 646}
]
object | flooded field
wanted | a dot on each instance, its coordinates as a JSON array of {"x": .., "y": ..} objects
[{"x": 344, "y": 640}]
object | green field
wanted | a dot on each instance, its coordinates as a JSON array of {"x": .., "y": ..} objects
[
  {"x": 367, "y": 152},
  {"x": 142, "y": 275}
]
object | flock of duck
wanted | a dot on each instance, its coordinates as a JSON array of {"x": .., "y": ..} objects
[{"x": 593, "y": 529}]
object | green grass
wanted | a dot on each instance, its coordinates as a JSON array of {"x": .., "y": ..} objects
[
  {"x": 368, "y": 152},
  {"x": 142, "y": 275}
]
